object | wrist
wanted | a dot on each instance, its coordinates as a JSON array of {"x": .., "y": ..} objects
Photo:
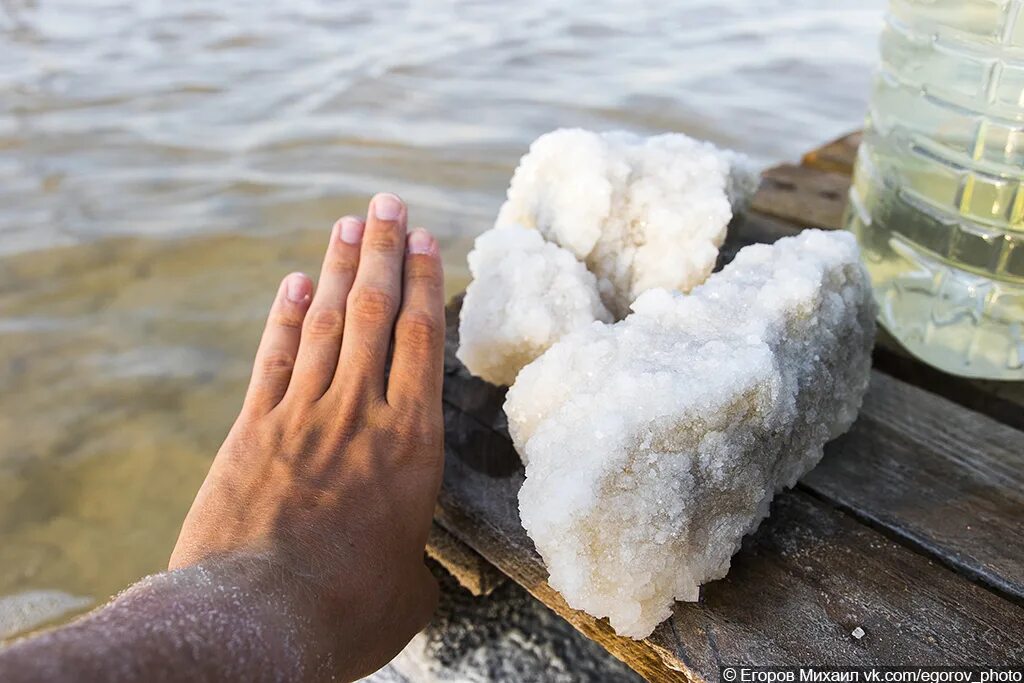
[
  {"x": 227, "y": 619},
  {"x": 230, "y": 610},
  {"x": 298, "y": 619}
]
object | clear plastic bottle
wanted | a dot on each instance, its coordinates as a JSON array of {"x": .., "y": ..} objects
[{"x": 937, "y": 200}]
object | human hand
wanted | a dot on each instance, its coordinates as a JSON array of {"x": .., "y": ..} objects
[{"x": 328, "y": 477}]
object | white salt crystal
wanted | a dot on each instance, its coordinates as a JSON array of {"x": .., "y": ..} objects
[
  {"x": 858, "y": 633},
  {"x": 640, "y": 212},
  {"x": 706, "y": 404},
  {"x": 526, "y": 294},
  {"x": 611, "y": 215}
]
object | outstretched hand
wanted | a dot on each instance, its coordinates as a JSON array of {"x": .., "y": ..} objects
[
  {"x": 302, "y": 555},
  {"x": 333, "y": 466}
]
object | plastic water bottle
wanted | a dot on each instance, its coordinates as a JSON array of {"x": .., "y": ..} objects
[{"x": 937, "y": 200}]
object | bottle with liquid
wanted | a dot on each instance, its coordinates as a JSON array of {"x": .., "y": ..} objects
[{"x": 937, "y": 201}]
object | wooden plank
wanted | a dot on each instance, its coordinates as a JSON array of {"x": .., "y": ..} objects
[
  {"x": 802, "y": 196},
  {"x": 1003, "y": 401},
  {"x": 466, "y": 566},
  {"x": 813, "y": 573},
  {"x": 837, "y": 156},
  {"x": 809, "y": 576},
  {"x": 947, "y": 480}
]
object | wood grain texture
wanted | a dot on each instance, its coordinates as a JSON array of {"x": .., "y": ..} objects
[
  {"x": 947, "y": 480},
  {"x": 467, "y": 567},
  {"x": 810, "y": 575},
  {"x": 798, "y": 588}
]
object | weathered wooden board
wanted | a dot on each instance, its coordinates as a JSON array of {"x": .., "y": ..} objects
[
  {"x": 802, "y": 196},
  {"x": 946, "y": 480},
  {"x": 809, "y": 576},
  {"x": 796, "y": 591},
  {"x": 837, "y": 156},
  {"x": 813, "y": 194},
  {"x": 473, "y": 572}
]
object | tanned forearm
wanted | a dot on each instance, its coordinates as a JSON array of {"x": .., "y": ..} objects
[{"x": 226, "y": 621}]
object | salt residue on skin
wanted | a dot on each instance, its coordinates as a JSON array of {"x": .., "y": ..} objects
[
  {"x": 525, "y": 295},
  {"x": 641, "y": 212},
  {"x": 652, "y": 446},
  {"x": 252, "y": 629},
  {"x": 194, "y": 616}
]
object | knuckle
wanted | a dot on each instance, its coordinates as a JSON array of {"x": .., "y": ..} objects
[
  {"x": 345, "y": 412},
  {"x": 287, "y": 320},
  {"x": 420, "y": 328},
  {"x": 412, "y": 426},
  {"x": 341, "y": 266},
  {"x": 372, "y": 304},
  {"x": 424, "y": 275},
  {"x": 383, "y": 239},
  {"x": 277, "y": 362},
  {"x": 325, "y": 322}
]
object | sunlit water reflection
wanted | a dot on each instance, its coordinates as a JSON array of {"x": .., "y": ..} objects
[{"x": 163, "y": 164}]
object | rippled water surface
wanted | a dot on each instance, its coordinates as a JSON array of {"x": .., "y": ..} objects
[{"x": 163, "y": 164}]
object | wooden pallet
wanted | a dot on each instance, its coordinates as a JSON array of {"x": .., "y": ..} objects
[{"x": 911, "y": 528}]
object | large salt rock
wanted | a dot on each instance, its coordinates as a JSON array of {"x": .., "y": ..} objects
[
  {"x": 641, "y": 212},
  {"x": 652, "y": 446},
  {"x": 525, "y": 295}
]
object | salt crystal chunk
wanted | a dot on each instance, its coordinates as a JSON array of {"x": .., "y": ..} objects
[
  {"x": 706, "y": 405},
  {"x": 640, "y": 212},
  {"x": 631, "y": 212},
  {"x": 526, "y": 294}
]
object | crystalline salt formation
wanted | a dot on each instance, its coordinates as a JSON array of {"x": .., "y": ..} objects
[
  {"x": 635, "y": 212},
  {"x": 652, "y": 446},
  {"x": 640, "y": 212},
  {"x": 525, "y": 295}
]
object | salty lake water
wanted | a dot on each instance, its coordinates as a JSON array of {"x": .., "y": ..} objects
[{"x": 162, "y": 165}]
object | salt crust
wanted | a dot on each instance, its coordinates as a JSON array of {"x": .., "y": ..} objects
[
  {"x": 652, "y": 446},
  {"x": 611, "y": 215}
]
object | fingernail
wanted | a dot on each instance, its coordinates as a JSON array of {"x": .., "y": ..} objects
[
  {"x": 297, "y": 288},
  {"x": 420, "y": 242},
  {"x": 387, "y": 206},
  {"x": 351, "y": 230}
]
